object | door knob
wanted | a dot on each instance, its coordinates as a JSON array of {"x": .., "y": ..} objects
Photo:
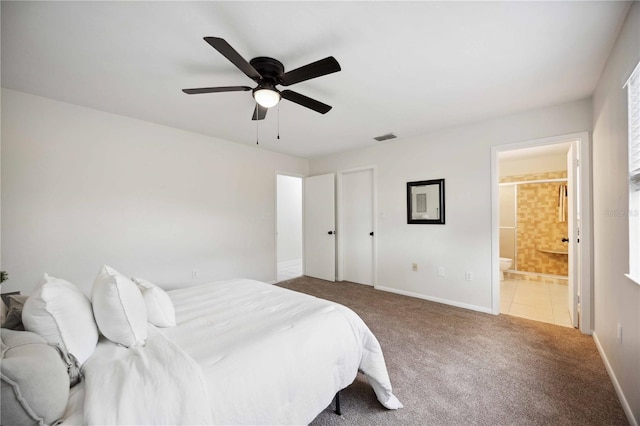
[
  {"x": 371, "y": 233},
  {"x": 565, "y": 240},
  {"x": 330, "y": 232}
]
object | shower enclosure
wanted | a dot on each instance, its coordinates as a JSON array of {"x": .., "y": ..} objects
[{"x": 533, "y": 223}]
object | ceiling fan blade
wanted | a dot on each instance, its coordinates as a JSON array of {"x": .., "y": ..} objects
[
  {"x": 305, "y": 101},
  {"x": 230, "y": 53},
  {"x": 216, "y": 89},
  {"x": 259, "y": 113},
  {"x": 316, "y": 69}
]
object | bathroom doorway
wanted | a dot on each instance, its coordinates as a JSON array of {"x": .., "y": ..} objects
[{"x": 540, "y": 243}]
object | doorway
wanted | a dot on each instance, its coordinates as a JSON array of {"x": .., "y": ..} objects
[
  {"x": 288, "y": 227},
  {"x": 356, "y": 223},
  {"x": 541, "y": 248},
  {"x": 320, "y": 227},
  {"x": 340, "y": 243}
]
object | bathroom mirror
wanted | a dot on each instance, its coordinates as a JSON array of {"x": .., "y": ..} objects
[{"x": 425, "y": 202}]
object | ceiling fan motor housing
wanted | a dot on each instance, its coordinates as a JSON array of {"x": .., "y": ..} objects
[{"x": 270, "y": 69}]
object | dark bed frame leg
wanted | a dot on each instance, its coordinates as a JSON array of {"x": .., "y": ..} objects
[{"x": 338, "y": 410}]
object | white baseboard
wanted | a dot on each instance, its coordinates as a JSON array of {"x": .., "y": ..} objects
[
  {"x": 625, "y": 404},
  {"x": 435, "y": 299}
]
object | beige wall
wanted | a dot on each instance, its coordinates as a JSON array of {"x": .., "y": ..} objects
[{"x": 616, "y": 297}]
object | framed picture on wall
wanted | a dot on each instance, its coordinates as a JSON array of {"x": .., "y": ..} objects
[{"x": 425, "y": 202}]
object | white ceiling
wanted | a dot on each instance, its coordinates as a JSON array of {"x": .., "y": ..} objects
[{"x": 407, "y": 67}]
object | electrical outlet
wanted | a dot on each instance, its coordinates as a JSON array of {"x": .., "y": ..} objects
[
  {"x": 194, "y": 274},
  {"x": 441, "y": 271},
  {"x": 414, "y": 267},
  {"x": 468, "y": 276},
  {"x": 619, "y": 333}
]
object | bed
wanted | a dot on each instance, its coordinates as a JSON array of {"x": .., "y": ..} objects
[{"x": 241, "y": 352}]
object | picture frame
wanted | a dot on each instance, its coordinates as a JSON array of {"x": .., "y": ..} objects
[{"x": 425, "y": 202}]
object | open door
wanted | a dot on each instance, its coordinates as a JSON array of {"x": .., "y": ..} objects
[
  {"x": 319, "y": 227},
  {"x": 574, "y": 233}
]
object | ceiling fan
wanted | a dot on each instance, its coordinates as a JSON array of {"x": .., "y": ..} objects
[{"x": 269, "y": 73}]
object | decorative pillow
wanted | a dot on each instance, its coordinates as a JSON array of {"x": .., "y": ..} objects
[
  {"x": 35, "y": 384},
  {"x": 160, "y": 310},
  {"x": 13, "y": 319},
  {"x": 119, "y": 308},
  {"x": 60, "y": 313},
  {"x": 3, "y": 310}
]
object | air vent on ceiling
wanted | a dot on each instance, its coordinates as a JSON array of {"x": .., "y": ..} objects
[{"x": 385, "y": 137}]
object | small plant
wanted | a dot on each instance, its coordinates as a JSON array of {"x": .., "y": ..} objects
[{"x": 4, "y": 275}]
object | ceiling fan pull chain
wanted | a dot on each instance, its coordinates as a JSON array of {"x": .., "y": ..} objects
[{"x": 278, "y": 121}]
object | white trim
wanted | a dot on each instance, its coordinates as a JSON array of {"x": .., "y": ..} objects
[
  {"x": 586, "y": 272},
  {"x": 495, "y": 233},
  {"x": 435, "y": 299},
  {"x": 616, "y": 385},
  {"x": 338, "y": 230},
  {"x": 340, "y": 220}
]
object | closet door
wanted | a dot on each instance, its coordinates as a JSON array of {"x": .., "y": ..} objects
[
  {"x": 320, "y": 227},
  {"x": 356, "y": 227}
]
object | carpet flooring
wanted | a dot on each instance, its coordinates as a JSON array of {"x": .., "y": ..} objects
[{"x": 452, "y": 366}]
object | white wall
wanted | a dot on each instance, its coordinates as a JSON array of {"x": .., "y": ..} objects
[
  {"x": 82, "y": 187},
  {"x": 617, "y": 299},
  {"x": 289, "y": 218},
  {"x": 531, "y": 165},
  {"x": 462, "y": 156}
]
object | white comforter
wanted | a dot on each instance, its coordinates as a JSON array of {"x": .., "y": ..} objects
[
  {"x": 243, "y": 352},
  {"x": 271, "y": 355},
  {"x": 153, "y": 384}
]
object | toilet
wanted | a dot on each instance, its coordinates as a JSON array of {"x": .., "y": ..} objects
[{"x": 505, "y": 263}]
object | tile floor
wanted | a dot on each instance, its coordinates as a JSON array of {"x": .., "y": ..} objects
[
  {"x": 535, "y": 300},
  {"x": 289, "y": 269}
]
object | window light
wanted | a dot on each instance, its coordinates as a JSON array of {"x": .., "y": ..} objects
[{"x": 633, "y": 97}]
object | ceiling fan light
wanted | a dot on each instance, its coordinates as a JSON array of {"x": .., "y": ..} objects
[{"x": 266, "y": 97}]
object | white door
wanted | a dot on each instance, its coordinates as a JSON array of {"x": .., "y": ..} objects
[
  {"x": 356, "y": 227},
  {"x": 572, "y": 222},
  {"x": 319, "y": 227}
]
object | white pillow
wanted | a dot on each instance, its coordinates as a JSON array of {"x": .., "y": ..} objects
[
  {"x": 60, "y": 313},
  {"x": 119, "y": 308},
  {"x": 160, "y": 310}
]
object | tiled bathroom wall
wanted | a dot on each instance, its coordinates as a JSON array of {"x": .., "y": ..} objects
[{"x": 538, "y": 225}]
